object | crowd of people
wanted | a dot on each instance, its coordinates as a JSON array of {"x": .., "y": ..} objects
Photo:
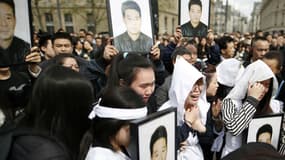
[{"x": 73, "y": 95}]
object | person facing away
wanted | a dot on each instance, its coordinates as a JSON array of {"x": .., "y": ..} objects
[
  {"x": 158, "y": 144},
  {"x": 60, "y": 105},
  {"x": 194, "y": 27},
  {"x": 110, "y": 129},
  {"x": 132, "y": 39}
]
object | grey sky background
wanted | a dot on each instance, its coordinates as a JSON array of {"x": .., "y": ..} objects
[{"x": 245, "y": 6}]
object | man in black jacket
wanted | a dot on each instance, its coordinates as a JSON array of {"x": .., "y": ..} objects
[
  {"x": 13, "y": 49},
  {"x": 194, "y": 27}
]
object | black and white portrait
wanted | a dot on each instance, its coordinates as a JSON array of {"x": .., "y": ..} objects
[
  {"x": 131, "y": 25},
  {"x": 155, "y": 136},
  {"x": 194, "y": 17},
  {"x": 265, "y": 129}
]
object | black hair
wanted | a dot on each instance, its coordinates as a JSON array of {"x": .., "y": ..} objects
[
  {"x": 267, "y": 128},
  {"x": 43, "y": 39},
  {"x": 180, "y": 51},
  {"x": 264, "y": 104},
  {"x": 61, "y": 35},
  {"x": 10, "y": 3},
  {"x": 83, "y": 30},
  {"x": 75, "y": 40},
  {"x": 60, "y": 104},
  {"x": 223, "y": 91},
  {"x": 125, "y": 66},
  {"x": 223, "y": 42},
  {"x": 130, "y": 5},
  {"x": 194, "y": 2},
  {"x": 104, "y": 129},
  {"x": 209, "y": 73},
  {"x": 160, "y": 132},
  {"x": 275, "y": 55},
  {"x": 59, "y": 59},
  {"x": 254, "y": 40}
]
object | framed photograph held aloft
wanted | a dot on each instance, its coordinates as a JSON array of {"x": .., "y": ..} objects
[
  {"x": 154, "y": 136},
  {"x": 15, "y": 32},
  {"x": 131, "y": 25},
  {"x": 194, "y": 17},
  {"x": 266, "y": 129},
  {"x": 23, "y": 13}
]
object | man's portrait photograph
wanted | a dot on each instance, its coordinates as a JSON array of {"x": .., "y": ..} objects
[
  {"x": 265, "y": 129},
  {"x": 15, "y": 31},
  {"x": 157, "y": 138},
  {"x": 194, "y": 17},
  {"x": 131, "y": 25}
]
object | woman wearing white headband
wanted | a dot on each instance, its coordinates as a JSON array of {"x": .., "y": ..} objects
[{"x": 110, "y": 127}]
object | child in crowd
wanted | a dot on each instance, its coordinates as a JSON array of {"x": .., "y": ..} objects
[{"x": 110, "y": 129}]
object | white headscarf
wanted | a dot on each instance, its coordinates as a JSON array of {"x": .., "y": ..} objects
[
  {"x": 228, "y": 71},
  {"x": 183, "y": 79},
  {"x": 255, "y": 72}
]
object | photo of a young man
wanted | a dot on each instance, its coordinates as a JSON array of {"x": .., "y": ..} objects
[
  {"x": 133, "y": 39},
  {"x": 194, "y": 27}
]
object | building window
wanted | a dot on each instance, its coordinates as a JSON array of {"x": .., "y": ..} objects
[
  {"x": 165, "y": 24},
  {"x": 49, "y": 23},
  {"x": 90, "y": 22},
  {"x": 68, "y": 23}
]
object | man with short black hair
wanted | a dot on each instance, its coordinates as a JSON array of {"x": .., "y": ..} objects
[
  {"x": 14, "y": 50},
  {"x": 133, "y": 39},
  {"x": 194, "y": 27},
  {"x": 45, "y": 45},
  {"x": 260, "y": 46}
]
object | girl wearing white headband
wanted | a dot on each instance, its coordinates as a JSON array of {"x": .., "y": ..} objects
[{"x": 110, "y": 123}]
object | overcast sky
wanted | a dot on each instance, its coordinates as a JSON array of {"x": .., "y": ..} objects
[{"x": 245, "y": 6}]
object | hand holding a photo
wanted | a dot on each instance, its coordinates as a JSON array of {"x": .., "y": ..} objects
[
  {"x": 183, "y": 146},
  {"x": 34, "y": 58},
  {"x": 178, "y": 35},
  {"x": 155, "y": 52},
  {"x": 109, "y": 52}
]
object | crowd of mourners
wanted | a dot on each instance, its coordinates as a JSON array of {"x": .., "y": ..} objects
[{"x": 72, "y": 95}]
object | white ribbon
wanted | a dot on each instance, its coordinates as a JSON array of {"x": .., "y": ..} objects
[{"x": 117, "y": 113}]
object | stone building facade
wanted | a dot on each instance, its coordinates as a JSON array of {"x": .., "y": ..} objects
[{"x": 272, "y": 15}]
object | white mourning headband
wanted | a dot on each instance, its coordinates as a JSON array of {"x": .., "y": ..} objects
[{"x": 117, "y": 113}]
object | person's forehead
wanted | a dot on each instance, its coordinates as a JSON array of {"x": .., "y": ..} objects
[
  {"x": 195, "y": 6},
  {"x": 5, "y": 8},
  {"x": 144, "y": 73},
  {"x": 61, "y": 41},
  {"x": 261, "y": 43},
  {"x": 230, "y": 44},
  {"x": 131, "y": 12}
]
